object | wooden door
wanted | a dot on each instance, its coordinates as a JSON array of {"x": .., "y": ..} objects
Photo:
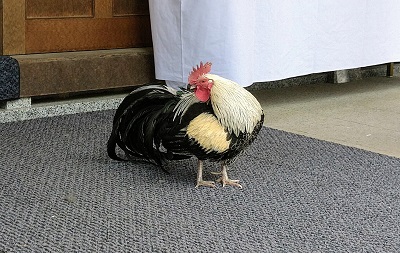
[{"x": 40, "y": 26}]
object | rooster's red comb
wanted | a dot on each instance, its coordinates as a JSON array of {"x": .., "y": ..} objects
[{"x": 199, "y": 71}]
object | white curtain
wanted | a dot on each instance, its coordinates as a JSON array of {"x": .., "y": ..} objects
[{"x": 263, "y": 40}]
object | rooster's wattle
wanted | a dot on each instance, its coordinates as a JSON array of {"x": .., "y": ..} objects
[{"x": 214, "y": 119}]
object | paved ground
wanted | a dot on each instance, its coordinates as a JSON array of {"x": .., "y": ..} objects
[{"x": 363, "y": 114}]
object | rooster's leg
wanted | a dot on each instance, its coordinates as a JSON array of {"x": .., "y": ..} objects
[
  {"x": 200, "y": 181},
  {"x": 224, "y": 177}
]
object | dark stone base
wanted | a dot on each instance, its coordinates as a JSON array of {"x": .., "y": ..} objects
[{"x": 9, "y": 78}]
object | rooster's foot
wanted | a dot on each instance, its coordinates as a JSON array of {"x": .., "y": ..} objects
[
  {"x": 224, "y": 179},
  {"x": 205, "y": 183},
  {"x": 227, "y": 181}
]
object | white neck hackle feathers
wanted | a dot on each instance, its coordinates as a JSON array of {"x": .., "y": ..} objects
[{"x": 236, "y": 108}]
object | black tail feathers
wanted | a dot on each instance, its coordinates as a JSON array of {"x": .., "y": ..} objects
[{"x": 137, "y": 123}]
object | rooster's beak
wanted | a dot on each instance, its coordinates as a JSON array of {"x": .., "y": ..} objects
[{"x": 190, "y": 87}]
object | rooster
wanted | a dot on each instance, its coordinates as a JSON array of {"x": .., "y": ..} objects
[{"x": 213, "y": 119}]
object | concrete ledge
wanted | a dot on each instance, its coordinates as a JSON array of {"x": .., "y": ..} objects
[
  {"x": 60, "y": 73},
  {"x": 61, "y": 107},
  {"x": 16, "y": 104}
]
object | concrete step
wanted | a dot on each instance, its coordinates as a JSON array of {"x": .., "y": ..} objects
[{"x": 84, "y": 71}]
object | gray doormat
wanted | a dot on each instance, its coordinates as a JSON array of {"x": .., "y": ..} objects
[{"x": 59, "y": 192}]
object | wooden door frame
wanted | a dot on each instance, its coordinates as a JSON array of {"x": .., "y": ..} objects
[
  {"x": 18, "y": 35},
  {"x": 13, "y": 27}
]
